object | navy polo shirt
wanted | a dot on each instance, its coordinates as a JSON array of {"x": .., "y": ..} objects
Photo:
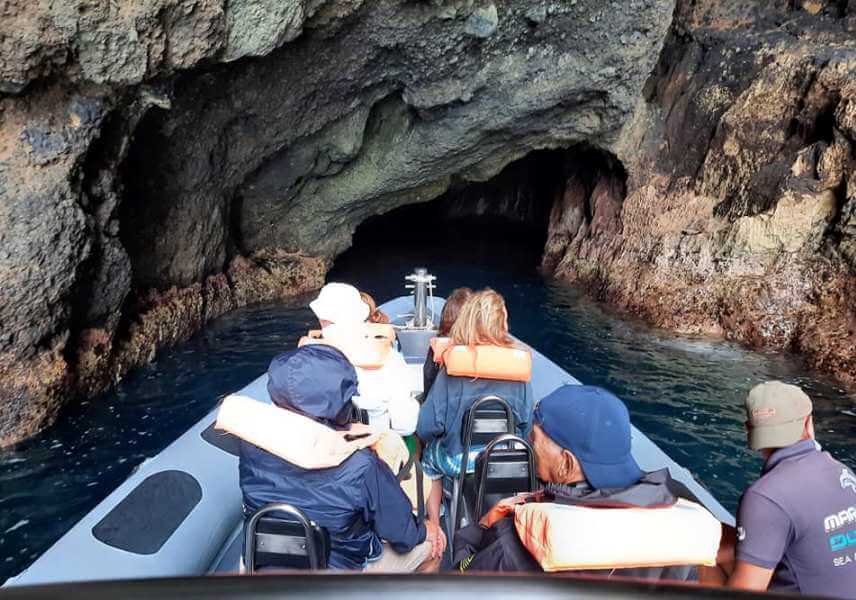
[{"x": 799, "y": 518}]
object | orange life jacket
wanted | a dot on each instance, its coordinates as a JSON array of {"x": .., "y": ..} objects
[
  {"x": 484, "y": 362},
  {"x": 439, "y": 345}
]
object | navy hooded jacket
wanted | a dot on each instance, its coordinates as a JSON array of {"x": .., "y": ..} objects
[{"x": 359, "y": 502}]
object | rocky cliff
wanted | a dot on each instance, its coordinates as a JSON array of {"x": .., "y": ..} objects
[
  {"x": 739, "y": 213},
  {"x": 163, "y": 162}
]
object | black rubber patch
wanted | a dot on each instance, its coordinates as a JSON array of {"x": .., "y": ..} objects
[
  {"x": 221, "y": 439},
  {"x": 150, "y": 514}
]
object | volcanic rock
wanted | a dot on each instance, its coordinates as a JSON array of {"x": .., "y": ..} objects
[{"x": 164, "y": 162}]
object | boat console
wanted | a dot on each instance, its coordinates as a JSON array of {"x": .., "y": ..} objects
[{"x": 416, "y": 325}]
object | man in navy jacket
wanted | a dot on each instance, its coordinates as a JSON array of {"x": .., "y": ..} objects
[{"x": 359, "y": 502}]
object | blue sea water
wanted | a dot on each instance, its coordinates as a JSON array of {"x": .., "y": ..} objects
[{"x": 684, "y": 393}]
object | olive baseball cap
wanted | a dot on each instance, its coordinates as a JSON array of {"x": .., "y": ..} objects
[{"x": 775, "y": 414}]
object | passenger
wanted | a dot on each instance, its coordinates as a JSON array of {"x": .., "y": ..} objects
[
  {"x": 797, "y": 523},
  {"x": 339, "y": 303},
  {"x": 360, "y": 502},
  {"x": 384, "y": 393},
  {"x": 451, "y": 309},
  {"x": 581, "y": 439},
  {"x": 483, "y": 320},
  {"x": 375, "y": 315}
]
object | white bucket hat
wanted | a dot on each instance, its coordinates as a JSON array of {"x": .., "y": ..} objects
[{"x": 340, "y": 303}]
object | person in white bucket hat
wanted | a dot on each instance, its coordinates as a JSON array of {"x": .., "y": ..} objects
[
  {"x": 385, "y": 393},
  {"x": 339, "y": 303}
]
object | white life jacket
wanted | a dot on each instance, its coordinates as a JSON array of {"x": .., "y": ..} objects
[
  {"x": 367, "y": 345},
  {"x": 286, "y": 434},
  {"x": 307, "y": 443},
  {"x": 566, "y": 538}
]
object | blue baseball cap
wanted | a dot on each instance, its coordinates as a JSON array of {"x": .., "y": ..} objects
[{"x": 594, "y": 425}]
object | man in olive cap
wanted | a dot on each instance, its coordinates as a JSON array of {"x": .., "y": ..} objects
[{"x": 796, "y": 525}]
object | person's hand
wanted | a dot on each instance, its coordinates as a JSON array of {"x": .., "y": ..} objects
[
  {"x": 500, "y": 510},
  {"x": 441, "y": 541},
  {"x": 435, "y": 535},
  {"x": 359, "y": 436},
  {"x": 358, "y": 428}
]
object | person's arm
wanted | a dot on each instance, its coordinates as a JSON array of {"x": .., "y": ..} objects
[
  {"x": 389, "y": 511},
  {"x": 523, "y": 409},
  {"x": 501, "y": 509},
  {"x": 430, "y": 424},
  {"x": 765, "y": 531},
  {"x": 717, "y": 575},
  {"x": 429, "y": 371},
  {"x": 747, "y": 576}
]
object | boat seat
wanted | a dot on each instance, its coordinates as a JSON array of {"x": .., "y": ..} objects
[
  {"x": 359, "y": 415},
  {"x": 487, "y": 419},
  {"x": 281, "y": 536},
  {"x": 505, "y": 468},
  {"x": 231, "y": 555}
]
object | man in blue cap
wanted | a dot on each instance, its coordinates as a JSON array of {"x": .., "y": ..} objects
[
  {"x": 360, "y": 502},
  {"x": 581, "y": 440}
]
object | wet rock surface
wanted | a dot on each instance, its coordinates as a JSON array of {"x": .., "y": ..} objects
[
  {"x": 164, "y": 162},
  {"x": 741, "y": 164},
  {"x": 163, "y": 319},
  {"x": 405, "y": 101}
]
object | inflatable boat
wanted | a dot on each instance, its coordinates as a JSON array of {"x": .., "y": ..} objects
[{"x": 179, "y": 514}]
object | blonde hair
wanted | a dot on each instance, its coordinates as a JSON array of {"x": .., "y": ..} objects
[
  {"x": 483, "y": 321},
  {"x": 375, "y": 315}
]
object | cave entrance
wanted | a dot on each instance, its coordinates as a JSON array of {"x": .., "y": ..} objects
[{"x": 480, "y": 234}]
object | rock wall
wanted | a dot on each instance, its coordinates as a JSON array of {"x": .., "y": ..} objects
[
  {"x": 162, "y": 162},
  {"x": 739, "y": 217}
]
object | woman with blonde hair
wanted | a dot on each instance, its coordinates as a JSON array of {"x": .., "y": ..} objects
[{"x": 483, "y": 321}]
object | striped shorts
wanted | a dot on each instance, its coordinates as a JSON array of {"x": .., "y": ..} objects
[{"x": 436, "y": 463}]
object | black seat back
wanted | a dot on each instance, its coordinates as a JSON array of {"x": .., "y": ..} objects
[
  {"x": 358, "y": 415},
  {"x": 487, "y": 419},
  {"x": 280, "y": 536},
  {"x": 506, "y": 467}
]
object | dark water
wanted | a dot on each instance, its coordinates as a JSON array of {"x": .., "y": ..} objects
[{"x": 685, "y": 394}]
